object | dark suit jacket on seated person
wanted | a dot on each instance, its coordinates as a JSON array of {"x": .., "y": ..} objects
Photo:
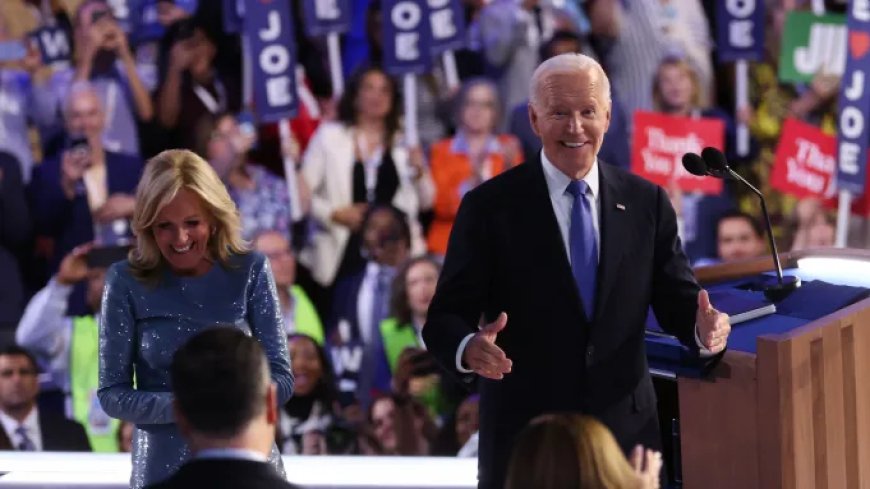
[
  {"x": 58, "y": 434},
  {"x": 508, "y": 253},
  {"x": 218, "y": 473}
]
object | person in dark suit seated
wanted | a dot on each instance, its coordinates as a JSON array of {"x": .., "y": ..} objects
[
  {"x": 25, "y": 427},
  {"x": 230, "y": 430},
  {"x": 550, "y": 272}
]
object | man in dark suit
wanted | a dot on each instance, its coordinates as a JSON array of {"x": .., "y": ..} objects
[
  {"x": 360, "y": 302},
  {"x": 559, "y": 261},
  {"x": 25, "y": 427},
  {"x": 230, "y": 429}
]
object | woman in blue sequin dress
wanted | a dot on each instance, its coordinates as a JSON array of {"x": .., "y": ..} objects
[{"x": 190, "y": 270}]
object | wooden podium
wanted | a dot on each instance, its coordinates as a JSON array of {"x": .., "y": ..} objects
[{"x": 794, "y": 415}]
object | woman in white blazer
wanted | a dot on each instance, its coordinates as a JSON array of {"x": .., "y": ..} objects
[{"x": 357, "y": 161}]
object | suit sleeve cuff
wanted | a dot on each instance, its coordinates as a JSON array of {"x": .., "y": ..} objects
[
  {"x": 460, "y": 351},
  {"x": 703, "y": 351}
]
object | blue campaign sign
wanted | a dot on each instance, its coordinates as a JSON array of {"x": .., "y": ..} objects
[
  {"x": 54, "y": 44},
  {"x": 447, "y": 24},
  {"x": 268, "y": 26},
  {"x": 740, "y": 30},
  {"x": 232, "y": 19},
  {"x": 326, "y": 16},
  {"x": 147, "y": 28},
  {"x": 407, "y": 37},
  {"x": 854, "y": 102},
  {"x": 123, "y": 10}
]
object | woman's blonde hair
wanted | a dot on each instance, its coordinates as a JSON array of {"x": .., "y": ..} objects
[
  {"x": 569, "y": 451},
  {"x": 164, "y": 175}
]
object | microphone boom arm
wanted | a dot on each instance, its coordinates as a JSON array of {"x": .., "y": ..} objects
[{"x": 770, "y": 239}]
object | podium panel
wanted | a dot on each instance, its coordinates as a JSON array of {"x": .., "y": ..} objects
[{"x": 789, "y": 404}]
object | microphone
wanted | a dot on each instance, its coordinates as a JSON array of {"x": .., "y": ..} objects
[
  {"x": 695, "y": 165},
  {"x": 716, "y": 165}
]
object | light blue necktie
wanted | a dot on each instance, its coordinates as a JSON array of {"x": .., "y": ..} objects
[{"x": 584, "y": 248}]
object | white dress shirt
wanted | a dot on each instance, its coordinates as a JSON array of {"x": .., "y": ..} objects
[
  {"x": 230, "y": 453},
  {"x": 563, "y": 203},
  {"x": 46, "y": 330},
  {"x": 31, "y": 424}
]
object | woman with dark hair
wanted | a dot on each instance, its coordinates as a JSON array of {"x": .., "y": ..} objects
[
  {"x": 356, "y": 162},
  {"x": 308, "y": 418},
  {"x": 413, "y": 370},
  {"x": 398, "y": 425}
]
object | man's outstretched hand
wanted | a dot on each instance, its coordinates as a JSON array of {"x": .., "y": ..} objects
[{"x": 483, "y": 356}]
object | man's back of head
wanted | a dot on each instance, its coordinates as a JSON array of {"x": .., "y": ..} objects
[{"x": 223, "y": 396}]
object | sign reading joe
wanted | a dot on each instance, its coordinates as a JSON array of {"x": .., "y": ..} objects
[
  {"x": 268, "y": 26},
  {"x": 740, "y": 29},
  {"x": 447, "y": 23},
  {"x": 854, "y": 102},
  {"x": 407, "y": 37},
  {"x": 326, "y": 16}
]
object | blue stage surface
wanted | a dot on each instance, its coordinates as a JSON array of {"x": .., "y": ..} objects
[{"x": 822, "y": 293}]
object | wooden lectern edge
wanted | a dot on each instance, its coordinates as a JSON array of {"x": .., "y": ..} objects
[{"x": 731, "y": 271}]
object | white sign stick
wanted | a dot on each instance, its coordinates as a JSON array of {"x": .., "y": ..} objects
[{"x": 335, "y": 72}]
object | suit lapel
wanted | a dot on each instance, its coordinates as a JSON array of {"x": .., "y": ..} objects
[
  {"x": 543, "y": 226},
  {"x": 614, "y": 233}
]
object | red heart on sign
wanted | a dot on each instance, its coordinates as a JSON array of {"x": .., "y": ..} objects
[{"x": 859, "y": 44}]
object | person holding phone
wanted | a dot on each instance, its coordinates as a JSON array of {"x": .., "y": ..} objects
[
  {"x": 103, "y": 57},
  {"x": 414, "y": 371},
  {"x": 68, "y": 343},
  {"x": 86, "y": 192}
]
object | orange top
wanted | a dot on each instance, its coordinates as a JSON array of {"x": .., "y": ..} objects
[{"x": 451, "y": 171}]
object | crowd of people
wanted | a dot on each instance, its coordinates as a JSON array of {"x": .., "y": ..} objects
[{"x": 356, "y": 266}]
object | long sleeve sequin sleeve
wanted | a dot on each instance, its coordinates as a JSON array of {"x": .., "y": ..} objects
[
  {"x": 267, "y": 325},
  {"x": 118, "y": 347}
]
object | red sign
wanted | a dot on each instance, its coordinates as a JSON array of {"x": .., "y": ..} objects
[
  {"x": 806, "y": 161},
  {"x": 660, "y": 141}
]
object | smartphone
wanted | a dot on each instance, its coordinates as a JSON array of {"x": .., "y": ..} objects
[
  {"x": 77, "y": 144},
  {"x": 12, "y": 51},
  {"x": 103, "y": 256}
]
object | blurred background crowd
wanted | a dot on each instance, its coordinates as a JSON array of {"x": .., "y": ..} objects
[{"x": 356, "y": 265}]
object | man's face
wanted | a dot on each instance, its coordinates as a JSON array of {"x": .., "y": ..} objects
[
  {"x": 18, "y": 383},
  {"x": 85, "y": 116},
  {"x": 383, "y": 239},
  {"x": 571, "y": 118},
  {"x": 737, "y": 240}
]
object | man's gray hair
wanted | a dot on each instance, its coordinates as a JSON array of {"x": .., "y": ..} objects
[
  {"x": 566, "y": 63},
  {"x": 80, "y": 89}
]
